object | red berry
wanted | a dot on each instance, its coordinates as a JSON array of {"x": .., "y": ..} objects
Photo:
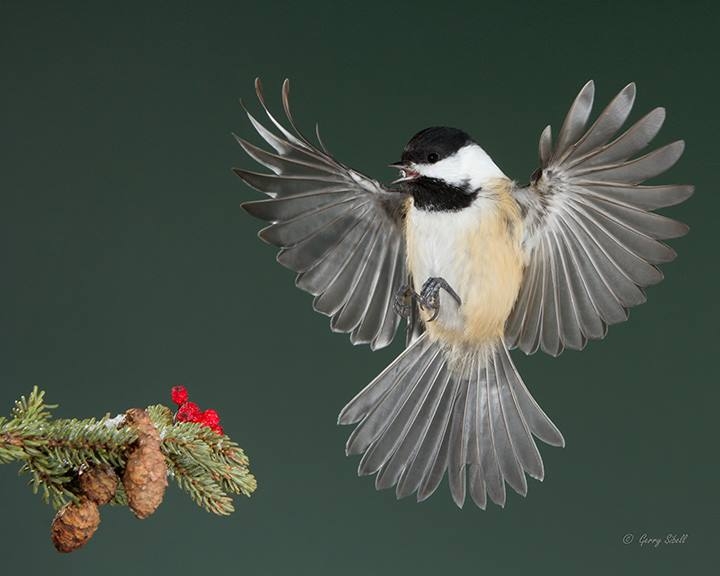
[
  {"x": 189, "y": 412},
  {"x": 215, "y": 428},
  {"x": 210, "y": 418},
  {"x": 179, "y": 395}
]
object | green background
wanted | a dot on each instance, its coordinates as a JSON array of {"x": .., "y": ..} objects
[{"x": 128, "y": 267}]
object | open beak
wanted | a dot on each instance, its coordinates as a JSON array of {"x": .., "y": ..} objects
[{"x": 406, "y": 172}]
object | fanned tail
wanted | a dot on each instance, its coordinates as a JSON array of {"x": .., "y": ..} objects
[{"x": 439, "y": 408}]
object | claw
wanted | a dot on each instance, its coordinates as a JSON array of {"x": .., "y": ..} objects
[
  {"x": 428, "y": 299},
  {"x": 436, "y": 311},
  {"x": 430, "y": 295},
  {"x": 402, "y": 304}
]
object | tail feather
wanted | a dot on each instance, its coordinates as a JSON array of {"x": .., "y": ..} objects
[
  {"x": 459, "y": 434},
  {"x": 538, "y": 422},
  {"x": 377, "y": 406},
  {"x": 500, "y": 434},
  {"x": 477, "y": 486},
  {"x": 438, "y": 463},
  {"x": 392, "y": 437},
  {"x": 368, "y": 397},
  {"x": 434, "y": 410},
  {"x": 418, "y": 417},
  {"x": 408, "y": 451},
  {"x": 488, "y": 457},
  {"x": 430, "y": 444},
  {"x": 523, "y": 445},
  {"x": 477, "y": 483}
]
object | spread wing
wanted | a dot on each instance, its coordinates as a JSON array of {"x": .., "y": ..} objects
[
  {"x": 592, "y": 242},
  {"x": 338, "y": 229}
]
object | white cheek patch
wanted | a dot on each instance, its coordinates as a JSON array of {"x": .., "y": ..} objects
[{"x": 469, "y": 164}]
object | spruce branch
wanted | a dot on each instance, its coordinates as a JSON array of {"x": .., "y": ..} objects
[
  {"x": 201, "y": 459},
  {"x": 208, "y": 465}
]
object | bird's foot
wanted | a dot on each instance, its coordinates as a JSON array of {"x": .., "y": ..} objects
[
  {"x": 402, "y": 304},
  {"x": 429, "y": 297}
]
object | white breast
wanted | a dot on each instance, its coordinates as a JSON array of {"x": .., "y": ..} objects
[{"x": 437, "y": 247}]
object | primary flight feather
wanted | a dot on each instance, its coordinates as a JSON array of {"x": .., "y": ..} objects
[{"x": 477, "y": 265}]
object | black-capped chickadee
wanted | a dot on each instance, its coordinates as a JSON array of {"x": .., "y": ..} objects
[{"x": 478, "y": 265}]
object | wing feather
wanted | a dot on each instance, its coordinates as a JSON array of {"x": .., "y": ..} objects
[
  {"x": 333, "y": 299},
  {"x": 642, "y": 197},
  {"x": 591, "y": 242},
  {"x": 533, "y": 320},
  {"x": 390, "y": 318},
  {"x": 283, "y": 164},
  {"x": 285, "y": 209},
  {"x": 338, "y": 229},
  {"x": 576, "y": 119},
  {"x": 377, "y": 323},
  {"x": 608, "y": 123},
  {"x": 571, "y": 301},
  {"x": 550, "y": 329},
  {"x": 291, "y": 232},
  {"x": 545, "y": 146},
  {"x": 323, "y": 252},
  {"x": 638, "y": 170},
  {"x": 632, "y": 141},
  {"x": 351, "y": 315}
]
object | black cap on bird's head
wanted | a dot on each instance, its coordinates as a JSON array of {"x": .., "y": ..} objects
[
  {"x": 429, "y": 146},
  {"x": 434, "y": 143}
]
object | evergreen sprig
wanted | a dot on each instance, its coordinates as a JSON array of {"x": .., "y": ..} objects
[{"x": 207, "y": 465}]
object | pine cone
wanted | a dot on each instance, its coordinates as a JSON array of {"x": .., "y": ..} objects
[
  {"x": 74, "y": 525},
  {"x": 98, "y": 482},
  {"x": 145, "y": 476}
]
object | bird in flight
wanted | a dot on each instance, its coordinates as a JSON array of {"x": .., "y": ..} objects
[{"x": 477, "y": 265}]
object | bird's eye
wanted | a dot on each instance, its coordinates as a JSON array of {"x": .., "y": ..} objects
[{"x": 432, "y": 158}]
